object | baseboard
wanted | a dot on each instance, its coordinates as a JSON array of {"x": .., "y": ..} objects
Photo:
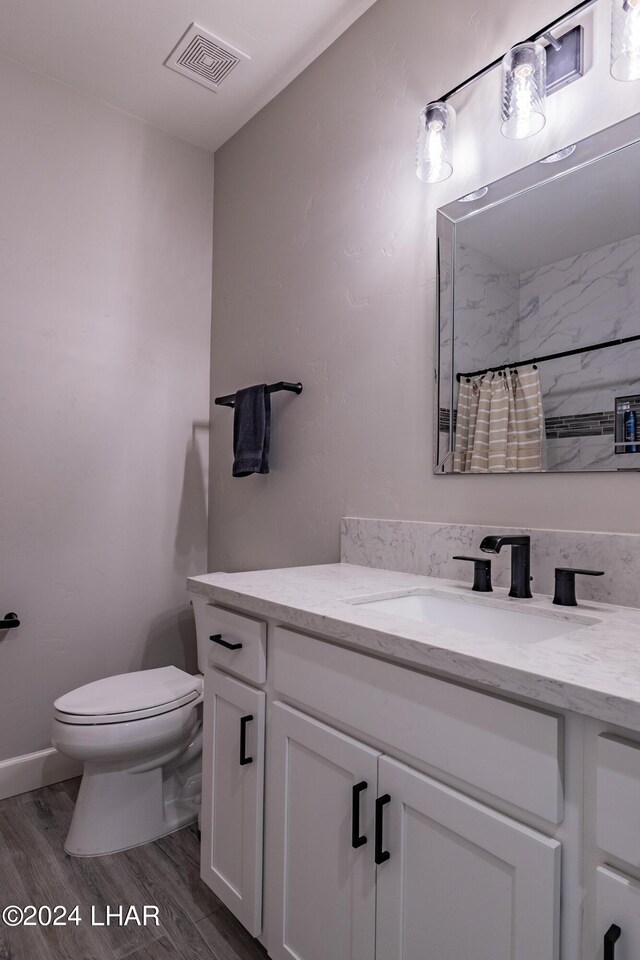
[{"x": 34, "y": 770}]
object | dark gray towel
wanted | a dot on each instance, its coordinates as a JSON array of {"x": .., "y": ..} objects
[{"x": 251, "y": 431}]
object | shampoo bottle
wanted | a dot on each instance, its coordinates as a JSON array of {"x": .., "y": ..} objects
[{"x": 630, "y": 431}]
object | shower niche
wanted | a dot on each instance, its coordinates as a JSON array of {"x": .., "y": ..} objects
[
  {"x": 627, "y": 424},
  {"x": 539, "y": 317}
]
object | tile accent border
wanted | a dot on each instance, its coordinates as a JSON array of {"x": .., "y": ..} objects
[
  {"x": 427, "y": 548},
  {"x": 597, "y": 424},
  {"x": 581, "y": 425}
]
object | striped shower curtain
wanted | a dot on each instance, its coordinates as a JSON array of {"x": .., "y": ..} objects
[{"x": 500, "y": 423}]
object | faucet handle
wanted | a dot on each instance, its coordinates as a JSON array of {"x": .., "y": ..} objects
[
  {"x": 565, "y": 585},
  {"x": 481, "y": 573}
]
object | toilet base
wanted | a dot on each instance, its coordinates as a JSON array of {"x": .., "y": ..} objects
[{"x": 118, "y": 809}]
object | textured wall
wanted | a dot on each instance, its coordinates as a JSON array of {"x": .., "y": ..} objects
[
  {"x": 105, "y": 286},
  {"x": 324, "y": 270}
]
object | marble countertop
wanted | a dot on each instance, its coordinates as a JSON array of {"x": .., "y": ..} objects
[{"x": 594, "y": 670}]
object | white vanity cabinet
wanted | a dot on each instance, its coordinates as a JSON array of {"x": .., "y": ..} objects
[
  {"x": 321, "y": 875},
  {"x": 617, "y": 838},
  {"x": 365, "y": 856},
  {"x": 369, "y": 858},
  {"x": 233, "y": 795},
  {"x": 400, "y": 804},
  {"x": 232, "y": 650},
  {"x": 460, "y": 880}
]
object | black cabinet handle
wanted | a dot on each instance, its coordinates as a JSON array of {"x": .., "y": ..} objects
[
  {"x": 10, "y": 620},
  {"x": 380, "y": 854},
  {"x": 610, "y": 938},
  {"x": 244, "y": 759},
  {"x": 217, "y": 638},
  {"x": 356, "y": 839}
]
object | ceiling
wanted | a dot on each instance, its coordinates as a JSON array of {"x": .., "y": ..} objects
[
  {"x": 591, "y": 207},
  {"x": 115, "y": 50}
]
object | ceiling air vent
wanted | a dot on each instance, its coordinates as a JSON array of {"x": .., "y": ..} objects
[{"x": 204, "y": 58}]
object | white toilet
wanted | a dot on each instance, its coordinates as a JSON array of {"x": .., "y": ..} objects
[{"x": 140, "y": 738}]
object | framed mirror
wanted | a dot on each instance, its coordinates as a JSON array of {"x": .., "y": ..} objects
[{"x": 539, "y": 316}]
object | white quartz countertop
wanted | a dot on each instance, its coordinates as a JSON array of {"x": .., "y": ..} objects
[{"x": 594, "y": 670}]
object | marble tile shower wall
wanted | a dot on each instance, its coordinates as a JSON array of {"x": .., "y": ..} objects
[
  {"x": 601, "y": 290},
  {"x": 428, "y": 548},
  {"x": 487, "y": 309}
]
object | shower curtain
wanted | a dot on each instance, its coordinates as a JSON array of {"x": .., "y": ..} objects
[{"x": 500, "y": 423}]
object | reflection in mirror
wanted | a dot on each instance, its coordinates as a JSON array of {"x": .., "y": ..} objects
[{"x": 539, "y": 321}]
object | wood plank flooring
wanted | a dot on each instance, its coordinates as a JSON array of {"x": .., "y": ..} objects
[{"x": 34, "y": 869}]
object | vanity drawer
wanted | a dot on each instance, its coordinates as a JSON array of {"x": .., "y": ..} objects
[
  {"x": 618, "y": 798},
  {"x": 508, "y": 750},
  {"x": 247, "y": 637},
  {"x": 619, "y": 903}
]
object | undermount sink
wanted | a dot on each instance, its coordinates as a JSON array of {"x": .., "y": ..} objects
[{"x": 530, "y": 626}]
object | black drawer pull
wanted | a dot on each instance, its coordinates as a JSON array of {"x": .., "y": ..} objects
[
  {"x": 356, "y": 839},
  {"x": 10, "y": 620},
  {"x": 380, "y": 854},
  {"x": 610, "y": 938},
  {"x": 217, "y": 638},
  {"x": 244, "y": 759}
]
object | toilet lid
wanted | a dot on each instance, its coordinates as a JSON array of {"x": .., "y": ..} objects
[{"x": 143, "y": 693}]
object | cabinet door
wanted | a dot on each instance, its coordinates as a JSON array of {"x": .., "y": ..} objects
[
  {"x": 232, "y": 795},
  {"x": 321, "y": 793},
  {"x": 462, "y": 882},
  {"x": 618, "y": 906}
]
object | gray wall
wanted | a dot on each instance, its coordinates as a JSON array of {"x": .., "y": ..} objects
[
  {"x": 324, "y": 271},
  {"x": 105, "y": 286}
]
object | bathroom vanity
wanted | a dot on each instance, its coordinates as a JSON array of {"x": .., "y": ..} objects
[{"x": 378, "y": 784}]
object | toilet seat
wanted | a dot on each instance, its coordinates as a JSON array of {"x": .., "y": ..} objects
[{"x": 129, "y": 696}]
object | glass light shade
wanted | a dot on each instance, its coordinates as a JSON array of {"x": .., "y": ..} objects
[
  {"x": 524, "y": 91},
  {"x": 625, "y": 40},
  {"x": 435, "y": 142}
]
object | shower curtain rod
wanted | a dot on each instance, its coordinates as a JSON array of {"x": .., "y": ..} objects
[{"x": 549, "y": 356}]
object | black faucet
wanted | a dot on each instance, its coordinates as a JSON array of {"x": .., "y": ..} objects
[{"x": 520, "y": 562}]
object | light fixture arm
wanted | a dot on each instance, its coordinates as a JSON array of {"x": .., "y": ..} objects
[{"x": 551, "y": 40}]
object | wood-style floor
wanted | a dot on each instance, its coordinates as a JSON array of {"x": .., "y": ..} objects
[{"x": 34, "y": 869}]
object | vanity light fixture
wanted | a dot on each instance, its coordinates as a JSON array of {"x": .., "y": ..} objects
[
  {"x": 435, "y": 142},
  {"x": 625, "y": 40},
  {"x": 524, "y": 91},
  {"x": 531, "y": 72}
]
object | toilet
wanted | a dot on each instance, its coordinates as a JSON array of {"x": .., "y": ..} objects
[{"x": 140, "y": 738}]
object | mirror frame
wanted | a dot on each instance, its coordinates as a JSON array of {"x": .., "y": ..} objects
[{"x": 594, "y": 148}]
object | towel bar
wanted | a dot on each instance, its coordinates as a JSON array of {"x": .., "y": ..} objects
[{"x": 229, "y": 400}]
